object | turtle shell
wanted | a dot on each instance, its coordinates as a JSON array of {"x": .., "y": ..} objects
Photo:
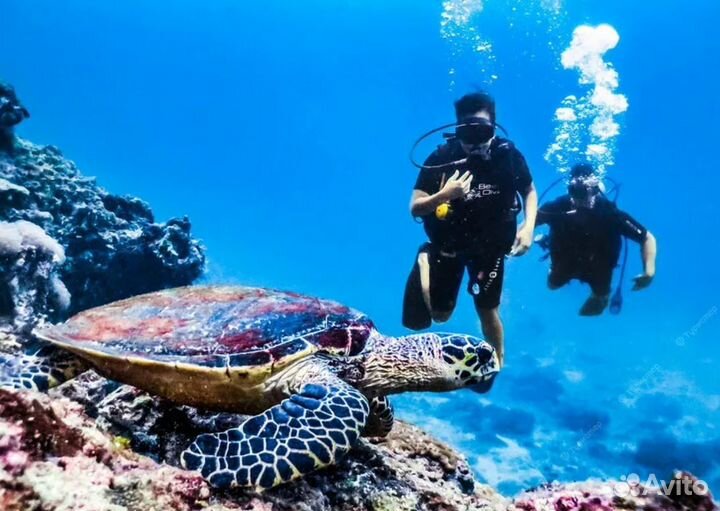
[{"x": 211, "y": 338}]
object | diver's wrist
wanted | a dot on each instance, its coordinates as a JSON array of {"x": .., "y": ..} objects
[
  {"x": 441, "y": 196},
  {"x": 527, "y": 227}
]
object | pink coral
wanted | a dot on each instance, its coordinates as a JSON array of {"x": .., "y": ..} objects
[
  {"x": 599, "y": 496},
  {"x": 53, "y": 457},
  {"x": 566, "y": 503}
]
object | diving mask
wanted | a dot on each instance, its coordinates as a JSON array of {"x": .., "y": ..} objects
[
  {"x": 475, "y": 131},
  {"x": 584, "y": 189}
]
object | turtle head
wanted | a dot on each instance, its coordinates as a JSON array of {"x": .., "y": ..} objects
[
  {"x": 468, "y": 361},
  {"x": 429, "y": 362}
]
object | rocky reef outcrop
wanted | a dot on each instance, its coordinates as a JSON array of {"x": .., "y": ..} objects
[
  {"x": 77, "y": 452},
  {"x": 30, "y": 286},
  {"x": 112, "y": 246},
  {"x": 12, "y": 113},
  {"x": 54, "y": 456}
]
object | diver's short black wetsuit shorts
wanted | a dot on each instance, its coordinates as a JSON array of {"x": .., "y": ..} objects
[
  {"x": 598, "y": 276},
  {"x": 485, "y": 272}
]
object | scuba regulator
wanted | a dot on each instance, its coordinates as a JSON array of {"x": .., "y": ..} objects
[
  {"x": 475, "y": 132},
  {"x": 472, "y": 131}
]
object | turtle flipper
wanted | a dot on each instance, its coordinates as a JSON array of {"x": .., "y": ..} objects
[
  {"x": 381, "y": 417},
  {"x": 38, "y": 367},
  {"x": 308, "y": 431}
]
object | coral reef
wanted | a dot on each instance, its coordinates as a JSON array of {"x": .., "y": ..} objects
[
  {"x": 113, "y": 247},
  {"x": 58, "y": 454},
  {"x": 76, "y": 241},
  {"x": 54, "y": 457},
  {"x": 12, "y": 113},
  {"x": 684, "y": 493},
  {"x": 29, "y": 260},
  {"x": 408, "y": 470}
]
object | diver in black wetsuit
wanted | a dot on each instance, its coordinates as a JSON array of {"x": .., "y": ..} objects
[
  {"x": 585, "y": 239},
  {"x": 12, "y": 113},
  {"x": 467, "y": 196}
]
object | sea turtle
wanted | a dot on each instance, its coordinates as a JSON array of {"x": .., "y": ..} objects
[{"x": 314, "y": 374}]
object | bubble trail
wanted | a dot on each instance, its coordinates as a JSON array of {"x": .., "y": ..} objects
[
  {"x": 456, "y": 27},
  {"x": 586, "y": 128}
]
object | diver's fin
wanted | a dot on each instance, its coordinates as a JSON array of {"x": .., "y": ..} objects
[
  {"x": 415, "y": 313},
  {"x": 594, "y": 306}
]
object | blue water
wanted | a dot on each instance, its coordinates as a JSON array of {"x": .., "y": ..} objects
[{"x": 282, "y": 129}]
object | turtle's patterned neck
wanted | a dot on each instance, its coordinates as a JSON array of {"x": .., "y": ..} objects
[{"x": 402, "y": 364}]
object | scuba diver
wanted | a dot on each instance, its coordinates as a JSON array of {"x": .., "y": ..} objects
[
  {"x": 12, "y": 113},
  {"x": 585, "y": 240},
  {"x": 467, "y": 197}
]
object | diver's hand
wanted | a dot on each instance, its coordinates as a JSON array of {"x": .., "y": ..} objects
[
  {"x": 523, "y": 241},
  {"x": 642, "y": 281},
  {"x": 456, "y": 186}
]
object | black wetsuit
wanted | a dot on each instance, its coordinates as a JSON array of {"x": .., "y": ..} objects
[
  {"x": 585, "y": 243},
  {"x": 478, "y": 233}
]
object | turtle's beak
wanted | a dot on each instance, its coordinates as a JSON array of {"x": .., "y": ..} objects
[
  {"x": 489, "y": 372},
  {"x": 485, "y": 384}
]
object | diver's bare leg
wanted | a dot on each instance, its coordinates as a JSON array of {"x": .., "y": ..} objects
[
  {"x": 424, "y": 265},
  {"x": 493, "y": 331}
]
